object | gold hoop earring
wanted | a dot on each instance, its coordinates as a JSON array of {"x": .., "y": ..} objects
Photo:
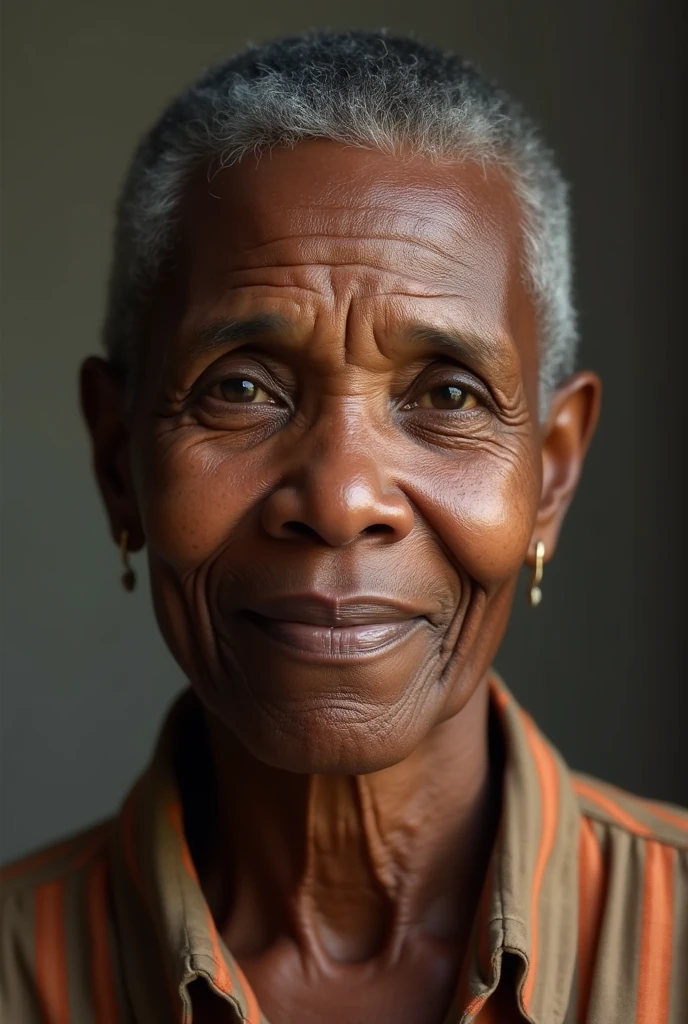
[
  {"x": 128, "y": 576},
  {"x": 535, "y": 595}
]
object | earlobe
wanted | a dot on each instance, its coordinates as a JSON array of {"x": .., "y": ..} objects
[
  {"x": 102, "y": 393},
  {"x": 570, "y": 426}
]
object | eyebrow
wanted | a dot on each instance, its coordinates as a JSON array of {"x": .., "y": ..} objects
[
  {"x": 228, "y": 329},
  {"x": 466, "y": 347}
]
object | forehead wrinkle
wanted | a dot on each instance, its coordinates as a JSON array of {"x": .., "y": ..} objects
[
  {"x": 317, "y": 282},
  {"x": 355, "y": 239},
  {"x": 453, "y": 332},
  {"x": 402, "y": 224}
]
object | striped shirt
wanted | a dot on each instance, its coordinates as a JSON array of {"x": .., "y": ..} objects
[{"x": 583, "y": 917}]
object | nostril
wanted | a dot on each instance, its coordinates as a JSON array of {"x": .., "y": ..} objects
[
  {"x": 301, "y": 530},
  {"x": 379, "y": 528}
]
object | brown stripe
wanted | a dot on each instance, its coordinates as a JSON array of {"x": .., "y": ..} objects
[
  {"x": 613, "y": 809},
  {"x": 549, "y": 801},
  {"x": 128, "y": 822},
  {"x": 104, "y": 997},
  {"x": 591, "y": 887},
  {"x": 654, "y": 969},
  {"x": 50, "y": 953},
  {"x": 679, "y": 958},
  {"x": 221, "y": 978}
]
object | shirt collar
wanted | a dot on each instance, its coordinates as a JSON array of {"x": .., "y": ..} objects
[
  {"x": 528, "y": 906},
  {"x": 529, "y": 903}
]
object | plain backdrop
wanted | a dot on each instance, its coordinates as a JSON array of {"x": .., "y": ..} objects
[{"x": 85, "y": 677}]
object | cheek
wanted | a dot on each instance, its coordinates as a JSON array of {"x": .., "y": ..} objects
[
  {"x": 194, "y": 496},
  {"x": 482, "y": 507}
]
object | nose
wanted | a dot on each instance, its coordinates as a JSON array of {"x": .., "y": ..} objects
[{"x": 336, "y": 491}]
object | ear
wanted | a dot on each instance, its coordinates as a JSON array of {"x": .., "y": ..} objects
[
  {"x": 103, "y": 407},
  {"x": 566, "y": 435}
]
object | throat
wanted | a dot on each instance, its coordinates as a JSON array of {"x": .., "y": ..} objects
[{"x": 345, "y": 904}]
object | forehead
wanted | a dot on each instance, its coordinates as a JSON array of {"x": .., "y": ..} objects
[
  {"x": 323, "y": 189},
  {"x": 328, "y": 223}
]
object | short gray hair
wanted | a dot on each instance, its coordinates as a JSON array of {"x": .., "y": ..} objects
[{"x": 366, "y": 89}]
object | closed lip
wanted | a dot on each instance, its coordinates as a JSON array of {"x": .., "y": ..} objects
[
  {"x": 328, "y": 629},
  {"x": 318, "y": 610}
]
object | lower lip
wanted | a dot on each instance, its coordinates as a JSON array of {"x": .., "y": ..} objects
[{"x": 335, "y": 643}]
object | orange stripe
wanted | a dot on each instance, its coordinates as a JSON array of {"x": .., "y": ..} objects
[
  {"x": 222, "y": 978},
  {"x": 51, "y": 954},
  {"x": 591, "y": 898},
  {"x": 621, "y": 816},
  {"x": 675, "y": 819},
  {"x": 654, "y": 968},
  {"x": 680, "y": 820},
  {"x": 549, "y": 802},
  {"x": 476, "y": 1004},
  {"x": 101, "y": 963}
]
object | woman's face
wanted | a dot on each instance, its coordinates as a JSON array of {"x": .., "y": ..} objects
[{"x": 335, "y": 457}]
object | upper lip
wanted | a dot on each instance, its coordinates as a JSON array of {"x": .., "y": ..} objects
[{"x": 318, "y": 610}]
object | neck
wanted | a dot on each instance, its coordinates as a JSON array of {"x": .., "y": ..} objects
[{"x": 351, "y": 867}]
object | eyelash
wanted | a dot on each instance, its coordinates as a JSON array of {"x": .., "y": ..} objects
[{"x": 471, "y": 387}]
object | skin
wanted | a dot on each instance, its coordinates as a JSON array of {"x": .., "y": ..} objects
[{"x": 334, "y": 548}]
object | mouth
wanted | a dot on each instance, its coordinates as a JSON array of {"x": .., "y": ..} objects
[{"x": 334, "y": 630}]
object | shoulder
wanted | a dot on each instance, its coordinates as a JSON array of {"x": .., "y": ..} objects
[
  {"x": 632, "y": 905},
  {"x": 41, "y": 896},
  {"x": 633, "y": 887},
  {"x": 55, "y": 861},
  {"x": 614, "y": 808}
]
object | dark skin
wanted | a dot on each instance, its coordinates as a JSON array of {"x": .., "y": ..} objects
[{"x": 335, "y": 461}]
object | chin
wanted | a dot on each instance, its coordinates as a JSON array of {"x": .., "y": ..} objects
[
  {"x": 324, "y": 746},
  {"x": 353, "y": 716},
  {"x": 336, "y": 736}
]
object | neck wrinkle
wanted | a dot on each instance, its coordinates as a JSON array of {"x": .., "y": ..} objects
[{"x": 349, "y": 869}]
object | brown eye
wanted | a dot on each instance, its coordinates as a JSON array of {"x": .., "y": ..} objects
[
  {"x": 448, "y": 396},
  {"x": 241, "y": 391}
]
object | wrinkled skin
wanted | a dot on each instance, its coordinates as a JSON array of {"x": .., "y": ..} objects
[{"x": 335, "y": 462}]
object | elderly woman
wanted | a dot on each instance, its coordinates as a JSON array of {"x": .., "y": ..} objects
[{"x": 339, "y": 410}]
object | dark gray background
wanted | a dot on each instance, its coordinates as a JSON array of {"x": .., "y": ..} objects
[{"x": 85, "y": 676}]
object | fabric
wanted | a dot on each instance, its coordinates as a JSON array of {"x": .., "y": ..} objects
[{"x": 583, "y": 917}]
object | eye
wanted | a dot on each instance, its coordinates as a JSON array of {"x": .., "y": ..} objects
[
  {"x": 447, "y": 396},
  {"x": 241, "y": 391}
]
